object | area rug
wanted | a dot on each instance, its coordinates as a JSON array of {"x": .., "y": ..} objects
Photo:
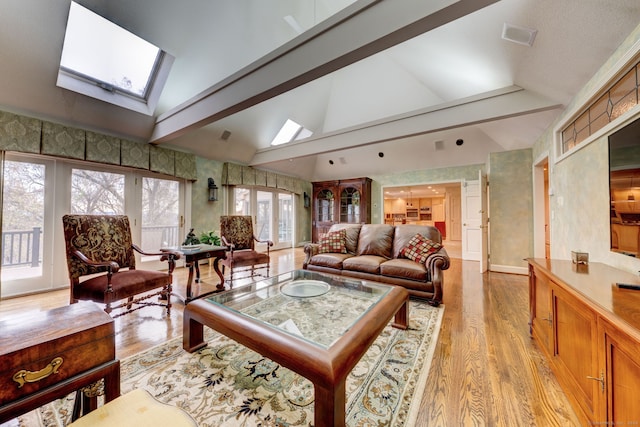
[{"x": 226, "y": 384}]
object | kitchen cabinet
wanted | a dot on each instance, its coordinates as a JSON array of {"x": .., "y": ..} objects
[
  {"x": 589, "y": 330},
  {"x": 343, "y": 201},
  {"x": 437, "y": 208},
  {"x": 425, "y": 209}
]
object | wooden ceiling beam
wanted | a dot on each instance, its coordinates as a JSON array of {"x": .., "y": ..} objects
[{"x": 362, "y": 29}]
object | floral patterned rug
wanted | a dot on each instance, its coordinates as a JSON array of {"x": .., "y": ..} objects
[{"x": 226, "y": 384}]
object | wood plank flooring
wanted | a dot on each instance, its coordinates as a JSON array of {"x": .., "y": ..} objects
[{"x": 486, "y": 369}]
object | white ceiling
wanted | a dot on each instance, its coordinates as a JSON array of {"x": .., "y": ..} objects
[{"x": 241, "y": 67}]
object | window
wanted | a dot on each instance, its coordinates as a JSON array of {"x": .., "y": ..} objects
[
  {"x": 242, "y": 197},
  {"x": 105, "y": 61},
  {"x": 97, "y": 193},
  {"x": 38, "y": 190},
  {"x": 272, "y": 211},
  {"x": 291, "y": 131},
  {"x": 620, "y": 98},
  {"x": 160, "y": 214},
  {"x": 23, "y": 225}
]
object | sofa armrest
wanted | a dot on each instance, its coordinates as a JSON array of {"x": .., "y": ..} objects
[
  {"x": 310, "y": 249},
  {"x": 435, "y": 264}
]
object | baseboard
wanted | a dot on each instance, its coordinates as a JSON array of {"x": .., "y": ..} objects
[{"x": 509, "y": 269}]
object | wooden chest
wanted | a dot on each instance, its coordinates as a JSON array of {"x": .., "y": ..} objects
[{"x": 41, "y": 350}]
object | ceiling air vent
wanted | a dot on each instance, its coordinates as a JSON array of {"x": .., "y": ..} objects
[{"x": 516, "y": 34}]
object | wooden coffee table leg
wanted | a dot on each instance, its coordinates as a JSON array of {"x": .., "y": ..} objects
[
  {"x": 192, "y": 333},
  {"x": 330, "y": 404},
  {"x": 401, "y": 319}
]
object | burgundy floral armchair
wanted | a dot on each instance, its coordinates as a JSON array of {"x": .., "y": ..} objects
[
  {"x": 100, "y": 252},
  {"x": 236, "y": 232}
]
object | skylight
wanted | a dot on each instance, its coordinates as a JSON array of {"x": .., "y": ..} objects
[
  {"x": 105, "y": 61},
  {"x": 291, "y": 131}
]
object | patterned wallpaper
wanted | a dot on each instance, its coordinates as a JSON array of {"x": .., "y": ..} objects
[
  {"x": 511, "y": 208},
  {"x": 205, "y": 215}
]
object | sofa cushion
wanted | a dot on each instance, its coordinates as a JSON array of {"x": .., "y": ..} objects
[
  {"x": 364, "y": 263},
  {"x": 353, "y": 231},
  {"x": 375, "y": 239},
  {"x": 404, "y": 233},
  {"x": 404, "y": 269},
  {"x": 333, "y": 242},
  {"x": 330, "y": 260},
  {"x": 419, "y": 248}
]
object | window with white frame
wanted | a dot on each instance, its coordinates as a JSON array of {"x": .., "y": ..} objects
[
  {"x": 38, "y": 190},
  {"x": 103, "y": 60}
]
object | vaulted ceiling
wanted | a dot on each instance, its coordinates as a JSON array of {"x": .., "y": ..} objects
[{"x": 385, "y": 86}]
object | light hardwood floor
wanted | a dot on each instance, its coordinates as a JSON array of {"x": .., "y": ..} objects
[{"x": 486, "y": 369}]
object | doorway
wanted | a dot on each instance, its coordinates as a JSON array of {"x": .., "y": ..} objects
[
  {"x": 542, "y": 190},
  {"x": 436, "y": 204}
]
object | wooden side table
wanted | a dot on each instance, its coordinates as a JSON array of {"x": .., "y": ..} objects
[
  {"x": 47, "y": 355},
  {"x": 192, "y": 256}
]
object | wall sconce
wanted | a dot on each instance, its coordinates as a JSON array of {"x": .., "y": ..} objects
[
  {"x": 307, "y": 200},
  {"x": 213, "y": 190}
]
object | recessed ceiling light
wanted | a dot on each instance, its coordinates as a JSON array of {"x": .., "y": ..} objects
[{"x": 517, "y": 34}]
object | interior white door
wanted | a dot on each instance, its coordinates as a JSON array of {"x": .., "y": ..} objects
[
  {"x": 471, "y": 221},
  {"x": 484, "y": 223}
]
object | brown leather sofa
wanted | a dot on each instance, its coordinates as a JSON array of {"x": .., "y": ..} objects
[{"x": 373, "y": 253}]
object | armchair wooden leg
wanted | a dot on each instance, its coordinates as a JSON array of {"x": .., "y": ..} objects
[{"x": 169, "y": 289}]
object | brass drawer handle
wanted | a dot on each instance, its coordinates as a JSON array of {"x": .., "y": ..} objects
[
  {"x": 600, "y": 380},
  {"x": 24, "y": 376}
]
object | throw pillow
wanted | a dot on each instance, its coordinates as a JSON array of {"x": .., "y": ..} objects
[
  {"x": 333, "y": 242},
  {"x": 419, "y": 248}
]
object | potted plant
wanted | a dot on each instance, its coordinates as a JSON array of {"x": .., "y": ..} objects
[
  {"x": 191, "y": 239},
  {"x": 210, "y": 238}
]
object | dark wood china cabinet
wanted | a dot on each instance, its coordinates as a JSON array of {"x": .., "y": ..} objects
[{"x": 344, "y": 201}]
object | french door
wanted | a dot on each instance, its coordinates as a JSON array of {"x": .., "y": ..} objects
[
  {"x": 272, "y": 212},
  {"x": 38, "y": 190},
  {"x": 161, "y": 212},
  {"x": 26, "y": 226}
]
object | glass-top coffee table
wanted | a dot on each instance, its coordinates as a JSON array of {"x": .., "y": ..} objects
[{"x": 318, "y": 325}]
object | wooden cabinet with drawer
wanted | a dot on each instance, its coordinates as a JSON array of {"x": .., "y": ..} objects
[
  {"x": 46, "y": 355},
  {"x": 589, "y": 329}
]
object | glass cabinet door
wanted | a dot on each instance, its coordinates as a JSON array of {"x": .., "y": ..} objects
[
  {"x": 350, "y": 205},
  {"x": 325, "y": 206}
]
